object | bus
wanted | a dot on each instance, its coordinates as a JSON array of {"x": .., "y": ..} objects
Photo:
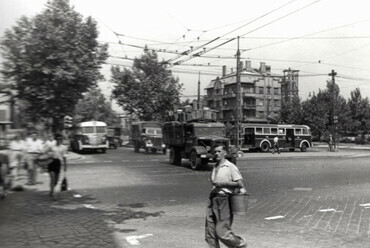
[
  {"x": 89, "y": 136},
  {"x": 261, "y": 136}
]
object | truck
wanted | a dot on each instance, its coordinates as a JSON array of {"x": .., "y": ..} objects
[
  {"x": 148, "y": 136},
  {"x": 195, "y": 141}
]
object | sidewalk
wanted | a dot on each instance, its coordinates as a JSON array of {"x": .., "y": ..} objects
[{"x": 30, "y": 218}]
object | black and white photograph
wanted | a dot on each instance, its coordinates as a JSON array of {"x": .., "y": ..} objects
[{"x": 187, "y": 124}]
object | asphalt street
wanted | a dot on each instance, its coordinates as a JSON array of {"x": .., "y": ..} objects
[{"x": 127, "y": 199}]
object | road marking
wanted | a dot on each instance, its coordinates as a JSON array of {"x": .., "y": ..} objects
[
  {"x": 133, "y": 240},
  {"x": 302, "y": 189},
  {"x": 107, "y": 161},
  {"x": 327, "y": 210},
  {"x": 77, "y": 196},
  {"x": 275, "y": 217},
  {"x": 365, "y": 205},
  {"x": 89, "y": 206}
]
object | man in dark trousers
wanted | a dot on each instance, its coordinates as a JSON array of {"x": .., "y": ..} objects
[{"x": 226, "y": 179}]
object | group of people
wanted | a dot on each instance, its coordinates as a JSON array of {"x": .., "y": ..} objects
[{"x": 32, "y": 152}]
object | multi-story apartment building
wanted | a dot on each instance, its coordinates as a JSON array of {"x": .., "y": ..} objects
[{"x": 260, "y": 94}]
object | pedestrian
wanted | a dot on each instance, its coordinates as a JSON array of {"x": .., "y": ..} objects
[
  {"x": 16, "y": 147},
  {"x": 226, "y": 180},
  {"x": 58, "y": 154},
  {"x": 34, "y": 148},
  {"x": 330, "y": 142},
  {"x": 4, "y": 171},
  {"x": 276, "y": 145}
]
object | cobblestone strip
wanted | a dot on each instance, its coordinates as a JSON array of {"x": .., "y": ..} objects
[{"x": 301, "y": 209}]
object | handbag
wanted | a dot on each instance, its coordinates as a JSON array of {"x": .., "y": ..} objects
[{"x": 64, "y": 185}]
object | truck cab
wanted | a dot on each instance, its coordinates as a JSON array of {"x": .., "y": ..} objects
[
  {"x": 195, "y": 141},
  {"x": 148, "y": 136}
]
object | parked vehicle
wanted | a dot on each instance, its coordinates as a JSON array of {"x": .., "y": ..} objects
[
  {"x": 148, "y": 136},
  {"x": 195, "y": 141},
  {"x": 89, "y": 135},
  {"x": 114, "y": 136},
  {"x": 260, "y": 136}
]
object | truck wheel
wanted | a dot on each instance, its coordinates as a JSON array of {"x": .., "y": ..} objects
[
  {"x": 136, "y": 147},
  {"x": 304, "y": 147},
  {"x": 175, "y": 157},
  {"x": 195, "y": 161},
  {"x": 265, "y": 147}
]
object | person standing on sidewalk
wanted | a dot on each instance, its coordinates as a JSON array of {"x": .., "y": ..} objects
[
  {"x": 34, "y": 148},
  {"x": 226, "y": 179},
  {"x": 58, "y": 153},
  {"x": 276, "y": 145},
  {"x": 16, "y": 147}
]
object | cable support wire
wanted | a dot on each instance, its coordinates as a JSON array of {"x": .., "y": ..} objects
[
  {"x": 353, "y": 78},
  {"x": 275, "y": 20},
  {"x": 303, "y": 36},
  {"x": 200, "y": 53}
]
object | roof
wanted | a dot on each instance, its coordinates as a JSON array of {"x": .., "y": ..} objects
[
  {"x": 252, "y": 72},
  {"x": 92, "y": 123}
]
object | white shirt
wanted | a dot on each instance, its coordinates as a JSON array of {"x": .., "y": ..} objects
[
  {"x": 276, "y": 139},
  {"x": 34, "y": 146},
  {"x": 59, "y": 152},
  {"x": 225, "y": 173},
  {"x": 17, "y": 145}
]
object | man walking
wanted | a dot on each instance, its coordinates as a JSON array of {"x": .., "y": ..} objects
[
  {"x": 34, "y": 149},
  {"x": 226, "y": 179},
  {"x": 276, "y": 145}
]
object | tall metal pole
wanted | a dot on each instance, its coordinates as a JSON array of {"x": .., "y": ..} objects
[
  {"x": 198, "y": 91},
  {"x": 238, "y": 97},
  {"x": 335, "y": 118}
]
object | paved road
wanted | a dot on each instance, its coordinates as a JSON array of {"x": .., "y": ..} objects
[{"x": 121, "y": 197}]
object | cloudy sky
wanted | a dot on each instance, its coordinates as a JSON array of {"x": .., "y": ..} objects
[{"x": 312, "y": 36}]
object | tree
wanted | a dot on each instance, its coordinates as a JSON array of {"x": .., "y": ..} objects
[
  {"x": 51, "y": 60},
  {"x": 94, "y": 106},
  {"x": 148, "y": 90},
  {"x": 360, "y": 112}
]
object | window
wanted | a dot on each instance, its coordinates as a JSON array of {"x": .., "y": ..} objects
[
  {"x": 276, "y": 103},
  {"x": 258, "y": 130},
  {"x": 225, "y": 102},
  {"x": 266, "y": 130},
  {"x": 260, "y": 90},
  {"x": 298, "y": 131},
  {"x": 268, "y": 89},
  {"x": 101, "y": 130},
  {"x": 305, "y": 131},
  {"x": 273, "y": 130},
  {"x": 281, "y": 131},
  {"x": 260, "y": 102},
  {"x": 276, "y": 91},
  {"x": 88, "y": 129}
]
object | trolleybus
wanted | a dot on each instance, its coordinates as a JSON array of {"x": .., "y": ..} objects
[
  {"x": 89, "y": 135},
  {"x": 261, "y": 136}
]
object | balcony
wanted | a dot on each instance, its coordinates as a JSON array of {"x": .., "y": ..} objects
[{"x": 249, "y": 106}]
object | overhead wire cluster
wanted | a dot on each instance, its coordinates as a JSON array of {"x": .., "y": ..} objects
[{"x": 200, "y": 49}]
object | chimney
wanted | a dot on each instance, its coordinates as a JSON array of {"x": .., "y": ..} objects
[
  {"x": 248, "y": 65},
  {"x": 268, "y": 68},
  {"x": 224, "y": 70},
  {"x": 262, "y": 67}
]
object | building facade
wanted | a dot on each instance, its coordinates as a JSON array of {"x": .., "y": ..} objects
[{"x": 260, "y": 94}]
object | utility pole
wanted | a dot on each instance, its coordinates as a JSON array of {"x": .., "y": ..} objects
[
  {"x": 198, "y": 103},
  {"x": 238, "y": 97},
  {"x": 335, "y": 118}
]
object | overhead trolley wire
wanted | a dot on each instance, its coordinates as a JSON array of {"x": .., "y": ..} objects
[{"x": 200, "y": 53}]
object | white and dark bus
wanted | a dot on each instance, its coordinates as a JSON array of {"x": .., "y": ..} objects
[
  {"x": 89, "y": 135},
  {"x": 261, "y": 136}
]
